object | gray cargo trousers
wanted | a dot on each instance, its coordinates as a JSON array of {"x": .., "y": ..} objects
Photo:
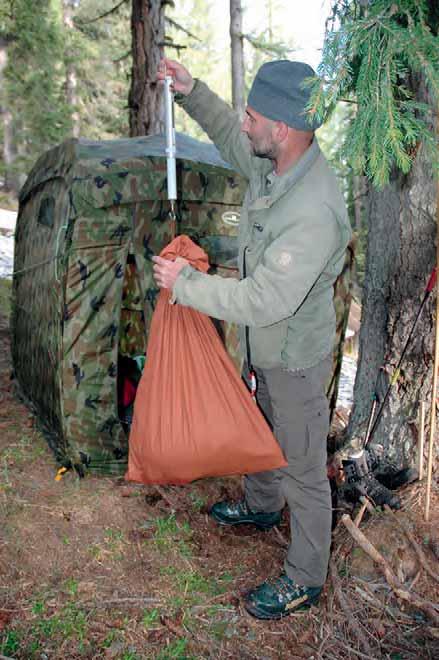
[{"x": 295, "y": 406}]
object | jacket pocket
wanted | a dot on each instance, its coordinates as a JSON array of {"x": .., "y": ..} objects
[
  {"x": 258, "y": 233},
  {"x": 267, "y": 344},
  {"x": 304, "y": 440}
]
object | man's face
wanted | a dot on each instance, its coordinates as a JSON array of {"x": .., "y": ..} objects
[{"x": 259, "y": 131}]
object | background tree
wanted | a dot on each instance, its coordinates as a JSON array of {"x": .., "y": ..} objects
[
  {"x": 237, "y": 56},
  {"x": 189, "y": 24},
  {"x": 70, "y": 53},
  {"x": 148, "y": 40},
  {"x": 103, "y": 67},
  {"x": 8, "y": 152},
  {"x": 385, "y": 56},
  {"x": 33, "y": 94}
]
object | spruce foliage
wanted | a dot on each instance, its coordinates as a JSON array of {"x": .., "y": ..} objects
[
  {"x": 32, "y": 30},
  {"x": 371, "y": 51}
]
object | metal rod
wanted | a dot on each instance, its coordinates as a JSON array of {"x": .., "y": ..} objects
[{"x": 170, "y": 140}]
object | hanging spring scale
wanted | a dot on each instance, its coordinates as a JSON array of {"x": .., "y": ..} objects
[{"x": 170, "y": 152}]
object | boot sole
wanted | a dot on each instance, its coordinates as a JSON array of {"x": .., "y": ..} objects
[
  {"x": 229, "y": 523},
  {"x": 261, "y": 614}
]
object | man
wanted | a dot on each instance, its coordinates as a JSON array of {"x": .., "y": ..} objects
[{"x": 292, "y": 236}]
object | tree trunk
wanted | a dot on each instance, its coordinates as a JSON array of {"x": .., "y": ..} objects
[
  {"x": 400, "y": 257},
  {"x": 359, "y": 185},
  {"x": 145, "y": 97},
  {"x": 71, "y": 78},
  {"x": 11, "y": 181},
  {"x": 237, "y": 55}
]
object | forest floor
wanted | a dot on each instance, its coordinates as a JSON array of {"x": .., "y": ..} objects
[{"x": 98, "y": 568}]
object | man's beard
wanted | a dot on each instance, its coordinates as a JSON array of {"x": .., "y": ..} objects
[{"x": 263, "y": 150}]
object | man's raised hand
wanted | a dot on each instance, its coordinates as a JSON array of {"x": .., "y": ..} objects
[{"x": 183, "y": 81}]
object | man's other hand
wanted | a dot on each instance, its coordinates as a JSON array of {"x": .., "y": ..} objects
[
  {"x": 183, "y": 81},
  {"x": 166, "y": 272}
]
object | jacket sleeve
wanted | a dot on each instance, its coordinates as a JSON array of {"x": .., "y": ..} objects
[
  {"x": 287, "y": 273},
  {"x": 222, "y": 125}
]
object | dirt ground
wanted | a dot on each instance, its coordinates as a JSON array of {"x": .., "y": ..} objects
[{"x": 97, "y": 568}]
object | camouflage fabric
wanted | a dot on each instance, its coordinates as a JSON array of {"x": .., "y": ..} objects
[
  {"x": 132, "y": 335},
  {"x": 91, "y": 216}
]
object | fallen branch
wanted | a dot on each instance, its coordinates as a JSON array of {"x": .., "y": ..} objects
[
  {"x": 365, "y": 505},
  {"x": 175, "y": 628},
  {"x": 369, "y": 506},
  {"x": 354, "y": 651},
  {"x": 350, "y": 619},
  {"x": 281, "y": 538},
  {"x": 164, "y": 495},
  {"x": 122, "y": 601},
  {"x": 420, "y": 554},
  {"x": 413, "y": 599}
]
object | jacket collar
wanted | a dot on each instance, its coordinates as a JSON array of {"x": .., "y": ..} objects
[{"x": 280, "y": 184}]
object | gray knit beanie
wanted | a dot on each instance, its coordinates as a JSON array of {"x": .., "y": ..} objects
[{"x": 278, "y": 93}]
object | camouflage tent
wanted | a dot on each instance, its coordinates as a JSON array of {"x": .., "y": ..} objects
[{"x": 91, "y": 216}]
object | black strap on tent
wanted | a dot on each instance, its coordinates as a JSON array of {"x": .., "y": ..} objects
[{"x": 252, "y": 373}]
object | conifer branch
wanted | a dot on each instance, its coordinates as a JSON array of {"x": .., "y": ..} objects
[
  {"x": 278, "y": 49},
  {"x": 113, "y": 10},
  {"x": 180, "y": 28},
  {"x": 368, "y": 56}
]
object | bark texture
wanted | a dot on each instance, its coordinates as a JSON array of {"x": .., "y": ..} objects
[
  {"x": 145, "y": 97},
  {"x": 237, "y": 56},
  {"x": 401, "y": 254}
]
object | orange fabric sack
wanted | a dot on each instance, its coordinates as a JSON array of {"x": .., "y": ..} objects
[{"x": 193, "y": 415}]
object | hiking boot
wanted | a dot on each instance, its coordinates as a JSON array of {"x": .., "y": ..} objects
[
  {"x": 371, "y": 488},
  {"x": 360, "y": 482},
  {"x": 387, "y": 473},
  {"x": 278, "y": 597},
  {"x": 393, "y": 478},
  {"x": 238, "y": 513}
]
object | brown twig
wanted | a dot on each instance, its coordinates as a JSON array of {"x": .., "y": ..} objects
[
  {"x": 175, "y": 628},
  {"x": 360, "y": 514},
  {"x": 413, "y": 599},
  {"x": 376, "y": 602},
  {"x": 420, "y": 554},
  {"x": 164, "y": 495},
  {"x": 122, "y": 601},
  {"x": 281, "y": 538},
  {"x": 350, "y": 619},
  {"x": 366, "y": 504},
  {"x": 369, "y": 506}
]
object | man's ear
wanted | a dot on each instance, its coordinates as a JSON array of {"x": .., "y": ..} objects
[{"x": 280, "y": 131}]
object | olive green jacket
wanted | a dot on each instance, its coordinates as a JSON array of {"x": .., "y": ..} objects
[{"x": 293, "y": 232}]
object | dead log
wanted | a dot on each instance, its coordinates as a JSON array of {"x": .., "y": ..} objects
[
  {"x": 415, "y": 545},
  {"x": 412, "y": 599}
]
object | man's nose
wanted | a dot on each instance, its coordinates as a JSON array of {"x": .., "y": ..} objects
[{"x": 244, "y": 125}]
